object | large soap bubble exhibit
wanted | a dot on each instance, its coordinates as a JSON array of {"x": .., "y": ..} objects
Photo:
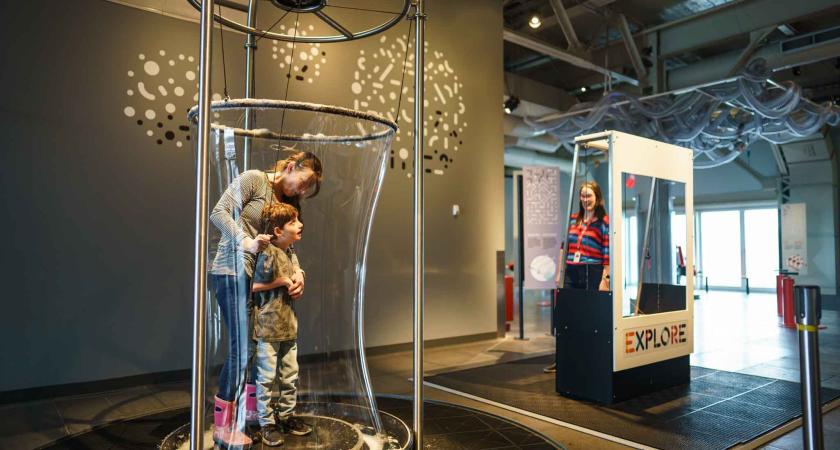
[{"x": 328, "y": 163}]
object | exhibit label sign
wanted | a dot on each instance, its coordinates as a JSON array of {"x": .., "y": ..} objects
[
  {"x": 654, "y": 338},
  {"x": 541, "y": 225},
  {"x": 794, "y": 238}
]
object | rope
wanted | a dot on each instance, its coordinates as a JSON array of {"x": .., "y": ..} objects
[
  {"x": 402, "y": 77},
  {"x": 224, "y": 67}
]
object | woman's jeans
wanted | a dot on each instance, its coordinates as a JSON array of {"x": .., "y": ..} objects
[
  {"x": 232, "y": 296},
  {"x": 583, "y": 276}
]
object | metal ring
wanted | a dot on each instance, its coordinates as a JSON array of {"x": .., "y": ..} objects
[
  {"x": 345, "y": 34},
  {"x": 242, "y": 103}
]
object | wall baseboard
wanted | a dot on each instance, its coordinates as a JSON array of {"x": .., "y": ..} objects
[{"x": 91, "y": 387}]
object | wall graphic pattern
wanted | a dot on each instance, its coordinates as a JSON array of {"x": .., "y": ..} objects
[
  {"x": 307, "y": 61},
  {"x": 376, "y": 83},
  {"x": 163, "y": 86}
]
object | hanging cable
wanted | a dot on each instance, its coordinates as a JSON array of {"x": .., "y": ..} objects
[
  {"x": 402, "y": 77},
  {"x": 224, "y": 68}
]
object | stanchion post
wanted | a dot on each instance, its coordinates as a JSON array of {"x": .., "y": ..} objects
[
  {"x": 521, "y": 261},
  {"x": 808, "y": 314}
]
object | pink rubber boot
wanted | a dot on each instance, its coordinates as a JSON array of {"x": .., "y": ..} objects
[
  {"x": 223, "y": 433},
  {"x": 251, "y": 416}
]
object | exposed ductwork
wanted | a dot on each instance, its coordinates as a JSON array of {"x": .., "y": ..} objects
[
  {"x": 545, "y": 143},
  {"x": 520, "y": 157},
  {"x": 717, "y": 68}
]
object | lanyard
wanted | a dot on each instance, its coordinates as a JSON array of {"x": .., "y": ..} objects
[{"x": 582, "y": 231}]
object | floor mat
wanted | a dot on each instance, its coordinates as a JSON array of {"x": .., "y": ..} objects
[{"x": 716, "y": 410}]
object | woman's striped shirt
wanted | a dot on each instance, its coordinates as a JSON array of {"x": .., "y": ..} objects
[{"x": 594, "y": 246}]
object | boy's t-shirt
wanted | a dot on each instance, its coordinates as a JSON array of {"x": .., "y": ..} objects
[{"x": 274, "y": 316}]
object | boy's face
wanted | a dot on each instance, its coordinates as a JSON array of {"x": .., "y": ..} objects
[{"x": 291, "y": 232}]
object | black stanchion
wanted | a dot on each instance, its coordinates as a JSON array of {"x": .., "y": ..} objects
[
  {"x": 808, "y": 314},
  {"x": 521, "y": 260}
]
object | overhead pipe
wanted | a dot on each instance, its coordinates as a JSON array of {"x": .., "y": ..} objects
[
  {"x": 521, "y": 157},
  {"x": 544, "y": 144}
]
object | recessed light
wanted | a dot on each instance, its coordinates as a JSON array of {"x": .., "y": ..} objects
[{"x": 535, "y": 22}]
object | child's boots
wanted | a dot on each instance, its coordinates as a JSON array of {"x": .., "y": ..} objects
[
  {"x": 251, "y": 416},
  {"x": 224, "y": 433}
]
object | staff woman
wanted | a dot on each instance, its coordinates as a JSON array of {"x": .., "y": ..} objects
[
  {"x": 238, "y": 216},
  {"x": 588, "y": 241}
]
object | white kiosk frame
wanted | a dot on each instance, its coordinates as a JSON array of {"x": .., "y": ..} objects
[{"x": 630, "y": 154}]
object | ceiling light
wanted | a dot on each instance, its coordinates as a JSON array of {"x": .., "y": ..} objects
[
  {"x": 511, "y": 103},
  {"x": 583, "y": 89},
  {"x": 535, "y": 22}
]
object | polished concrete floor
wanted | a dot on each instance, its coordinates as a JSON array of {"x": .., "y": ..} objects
[{"x": 734, "y": 332}]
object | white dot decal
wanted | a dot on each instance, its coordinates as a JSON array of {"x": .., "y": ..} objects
[
  {"x": 141, "y": 56},
  {"x": 171, "y": 81},
  {"x": 131, "y": 73},
  {"x": 129, "y": 92},
  {"x": 150, "y": 133},
  {"x": 129, "y": 111},
  {"x": 151, "y": 68},
  {"x": 179, "y": 91},
  {"x": 179, "y": 144},
  {"x": 150, "y": 114},
  {"x": 403, "y": 153},
  {"x": 162, "y": 53},
  {"x": 314, "y": 51},
  {"x": 170, "y": 108},
  {"x": 190, "y": 75}
]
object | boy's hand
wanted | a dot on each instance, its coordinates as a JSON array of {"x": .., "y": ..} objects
[
  {"x": 296, "y": 288},
  {"x": 257, "y": 244}
]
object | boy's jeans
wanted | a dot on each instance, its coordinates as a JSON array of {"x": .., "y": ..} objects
[{"x": 285, "y": 374}]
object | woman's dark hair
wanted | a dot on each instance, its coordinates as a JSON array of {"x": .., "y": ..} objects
[
  {"x": 301, "y": 160},
  {"x": 600, "y": 210}
]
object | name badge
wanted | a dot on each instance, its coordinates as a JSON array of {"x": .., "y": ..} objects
[{"x": 577, "y": 257}]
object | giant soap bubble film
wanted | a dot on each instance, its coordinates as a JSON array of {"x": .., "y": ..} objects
[{"x": 333, "y": 389}]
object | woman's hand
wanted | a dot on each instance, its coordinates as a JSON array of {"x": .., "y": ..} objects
[
  {"x": 605, "y": 285},
  {"x": 257, "y": 244},
  {"x": 296, "y": 288}
]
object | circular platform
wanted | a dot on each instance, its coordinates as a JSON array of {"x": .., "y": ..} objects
[{"x": 447, "y": 426}]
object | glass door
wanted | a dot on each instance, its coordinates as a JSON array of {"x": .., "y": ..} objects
[{"x": 721, "y": 247}]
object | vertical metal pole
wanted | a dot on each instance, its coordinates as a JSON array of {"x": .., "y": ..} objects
[
  {"x": 562, "y": 264},
  {"x": 250, "y": 86},
  {"x": 419, "y": 254},
  {"x": 808, "y": 312},
  {"x": 521, "y": 260},
  {"x": 201, "y": 219},
  {"x": 645, "y": 245}
]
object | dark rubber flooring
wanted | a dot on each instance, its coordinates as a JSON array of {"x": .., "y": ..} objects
[
  {"x": 447, "y": 427},
  {"x": 716, "y": 410}
]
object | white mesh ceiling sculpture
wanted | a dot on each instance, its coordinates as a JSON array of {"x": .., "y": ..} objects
[{"x": 717, "y": 120}]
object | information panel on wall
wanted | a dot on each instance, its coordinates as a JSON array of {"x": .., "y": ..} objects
[
  {"x": 542, "y": 225},
  {"x": 794, "y": 238}
]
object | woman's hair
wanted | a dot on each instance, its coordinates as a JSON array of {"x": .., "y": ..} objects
[
  {"x": 301, "y": 160},
  {"x": 600, "y": 210}
]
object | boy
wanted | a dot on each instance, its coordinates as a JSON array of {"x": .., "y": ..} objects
[{"x": 275, "y": 327}]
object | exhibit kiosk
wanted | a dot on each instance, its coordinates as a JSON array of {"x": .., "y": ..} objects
[{"x": 635, "y": 338}]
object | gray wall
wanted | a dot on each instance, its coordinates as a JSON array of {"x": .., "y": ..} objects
[{"x": 97, "y": 266}]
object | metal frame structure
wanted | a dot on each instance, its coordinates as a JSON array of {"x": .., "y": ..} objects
[
  {"x": 345, "y": 34},
  {"x": 202, "y": 184}
]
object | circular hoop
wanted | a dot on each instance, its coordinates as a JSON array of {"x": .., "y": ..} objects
[
  {"x": 345, "y": 34},
  {"x": 265, "y": 104}
]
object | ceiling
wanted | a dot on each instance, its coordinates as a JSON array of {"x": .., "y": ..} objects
[{"x": 728, "y": 27}]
